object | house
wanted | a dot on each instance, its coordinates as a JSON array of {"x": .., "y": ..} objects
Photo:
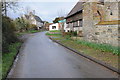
[
  {"x": 96, "y": 21},
  {"x": 34, "y": 19},
  {"x": 54, "y": 26},
  {"x": 46, "y": 25},
  {"x": 74, "y": 19}
]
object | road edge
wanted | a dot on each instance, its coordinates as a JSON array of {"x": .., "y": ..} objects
[
  {"x": 90, "y": 58},
  {"x": 12, "y": 62}
]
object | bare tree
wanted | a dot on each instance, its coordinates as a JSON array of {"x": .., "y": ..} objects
[
  {"x": 61, "y": 13},
  {"x": 6, "y": 5},
  {"x": 27, "y": 10}
]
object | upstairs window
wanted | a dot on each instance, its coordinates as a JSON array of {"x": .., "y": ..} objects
[{"x": 80, "y": 23}]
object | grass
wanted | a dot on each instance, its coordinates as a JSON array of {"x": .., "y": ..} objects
[
  {"x": 97, "y": 46},
  {"x": 8, "y": 58},
  {"x": 55, "y": 31},
  {"x": 104, "y": 52},
  {"x": 102, "y": 47},
  {"x": 55, "y": 35},
  {"x": 29, "y": 31},
  {"x": 106, "y": 57},
  {"x": 0, "y": 68}
]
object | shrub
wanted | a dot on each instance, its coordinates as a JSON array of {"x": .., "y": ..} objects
[
  {"x": 8, "y": 35},
  {"x": 74, "y": 33},
  {"x": 67, "y": 34},
  {"x": 71, "y": 33}
]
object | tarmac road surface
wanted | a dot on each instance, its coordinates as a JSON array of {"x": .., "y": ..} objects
[{"x": 42, "y": 58}]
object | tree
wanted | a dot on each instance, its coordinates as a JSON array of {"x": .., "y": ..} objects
[
  {"x": 8, "y": 35},
  {"x": 6, "y": 5},
  {"x": 58, "y": 19},
  {"x": 61, "y": 13}
]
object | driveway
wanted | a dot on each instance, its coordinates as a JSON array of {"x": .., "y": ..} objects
[{"x": 41, "y": 58}]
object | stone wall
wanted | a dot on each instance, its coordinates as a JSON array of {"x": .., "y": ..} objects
[
  {"x": 106, "y": 34},
  {"x": 93, "y": 13},
  {"x": 111, "y": 11},
  {"x": 88, "y": 28}
]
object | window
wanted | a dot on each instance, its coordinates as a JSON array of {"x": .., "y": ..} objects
[
  {"x": 75, "y": 24},
  {"x": 80, "y": 23},
  {"x": 53, "y": 27}
]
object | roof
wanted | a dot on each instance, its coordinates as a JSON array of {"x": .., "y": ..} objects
[
  {"x": 61, "y": 21},
  {"x": 78, "y": 7},
  {"x": 109, "y": 22},
  {"x": 38, "y": 18},
  {"x": 101, "y": 0},
  {"x": 27, "y": 17}
]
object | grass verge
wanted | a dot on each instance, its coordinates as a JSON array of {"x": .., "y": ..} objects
[
  {"x": 27, "y": 32},
  {"x": 55, "y": 31},
  {"x": 103, "y": 52},
  {"x": 54, "y": 35},
  {"x": 8, "y": 58}
]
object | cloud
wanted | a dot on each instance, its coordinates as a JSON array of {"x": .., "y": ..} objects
[
  {"x": 48, "y": 11},
  {"x": 48, "y": 0}
]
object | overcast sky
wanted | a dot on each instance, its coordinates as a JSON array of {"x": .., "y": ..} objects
[{"x": 47, "y": 11}]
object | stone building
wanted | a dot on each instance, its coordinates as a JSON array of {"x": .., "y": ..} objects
[
  {"x": 100, "y": 22},
  {"x": 96, "y": 20}
]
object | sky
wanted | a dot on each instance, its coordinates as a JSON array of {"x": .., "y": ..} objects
[{"x": 47, "y": 11}]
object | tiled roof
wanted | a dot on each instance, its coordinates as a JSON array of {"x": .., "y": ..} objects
[
  {"x": 78, "y": 7},
  {"x": 38, "y": 18},
  {"x": 27, "y": 17}
]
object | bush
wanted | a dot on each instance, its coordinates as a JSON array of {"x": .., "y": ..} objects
[
  {"x": 71, "y": 33},
  {"x": 8, "y": 35},
  {"x": 75, "y": 33},
  {"x": 33, "y": 27}
]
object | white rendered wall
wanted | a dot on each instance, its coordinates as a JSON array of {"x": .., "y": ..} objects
[{"x": 57, "y": 26}]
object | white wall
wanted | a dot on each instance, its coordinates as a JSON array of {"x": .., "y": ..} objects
[
  {"x": 39, "y": 24},
  {"x": 57, "y": 26},
  {"x": 66, "y": 28}
]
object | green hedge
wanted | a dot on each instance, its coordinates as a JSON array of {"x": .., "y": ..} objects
[
  {"x": 7, "y": 59},
  {"x": 8, "y": 35}
]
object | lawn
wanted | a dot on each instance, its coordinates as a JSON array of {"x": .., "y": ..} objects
[
  {"x": 103, "y": 52},
  {"x": 8, "y": 58}
]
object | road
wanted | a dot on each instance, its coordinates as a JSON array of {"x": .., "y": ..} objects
[{"x": 42, "y": 58}]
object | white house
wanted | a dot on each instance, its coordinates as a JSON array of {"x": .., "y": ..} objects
[
  {"x": 33, "y": 19},
  {"x": 54, "y": 26},
  {"x": 38, "y": 22}
]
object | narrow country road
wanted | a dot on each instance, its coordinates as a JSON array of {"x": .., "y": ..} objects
[{"x": 42, "y": 58}]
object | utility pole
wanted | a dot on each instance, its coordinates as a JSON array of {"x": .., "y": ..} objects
[{"x": 5, "y": 8}]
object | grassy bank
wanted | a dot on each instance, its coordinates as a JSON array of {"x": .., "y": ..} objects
[
  {"x": 101, "y": 47},
  {"x": 8, "y": 58},
  {"x": 0, "y": 69},
  {"x": 106, "y": 53},
  {"x": 55, "y": 35},
  {"x": 27, "y": 32},
  {"x": 55, "y": 31}
]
